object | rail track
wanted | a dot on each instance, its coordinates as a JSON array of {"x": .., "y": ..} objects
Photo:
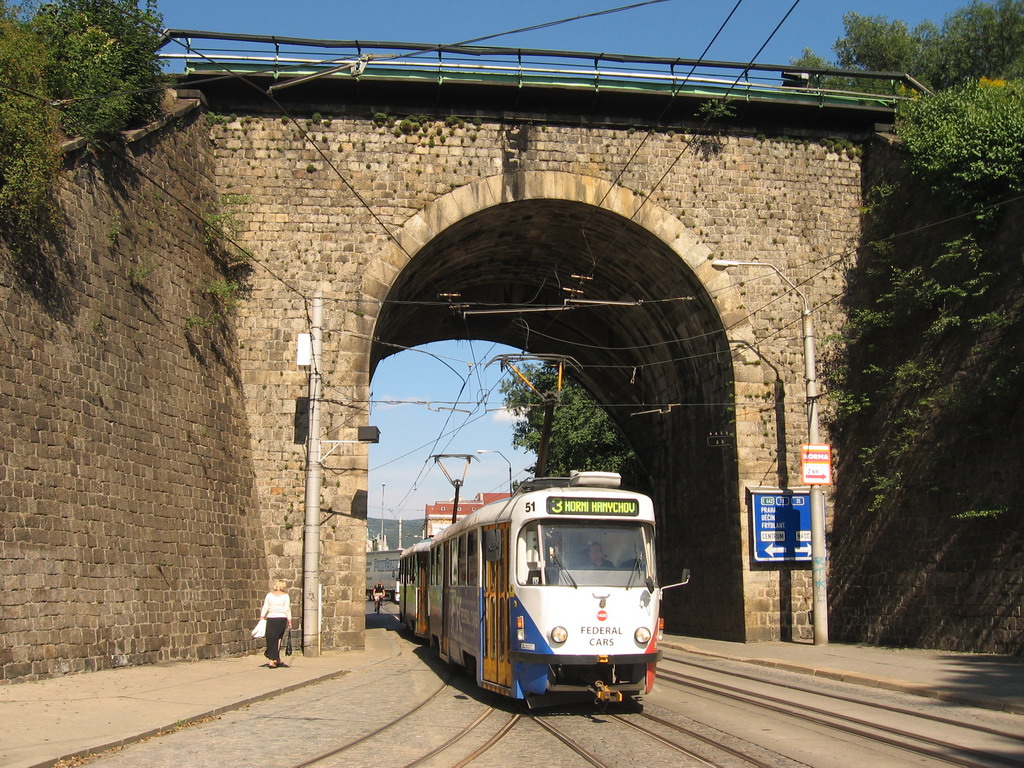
[{"x": 945, "y": 751}]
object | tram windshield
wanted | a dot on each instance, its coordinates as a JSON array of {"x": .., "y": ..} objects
[{"x": 580, "y": 553}]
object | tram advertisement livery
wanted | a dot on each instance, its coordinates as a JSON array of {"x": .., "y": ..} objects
[{"x": 548, "y": 595}]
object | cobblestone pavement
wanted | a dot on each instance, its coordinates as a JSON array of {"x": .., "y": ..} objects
[
  {"x": 399, "y": 706},
  {"x": 296, "y": 727}
]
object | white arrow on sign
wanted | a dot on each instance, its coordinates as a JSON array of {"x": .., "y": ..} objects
[
  {"x": 804, "y": 550},
  {"x": 774, "y": 550}
]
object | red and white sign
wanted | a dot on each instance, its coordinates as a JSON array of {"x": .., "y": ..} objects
[
  {"x": 602, "y": 615},
  {"x": 816, "y": 462}
]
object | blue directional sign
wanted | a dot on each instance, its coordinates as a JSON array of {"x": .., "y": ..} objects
[{"x": 781, "y": 526}]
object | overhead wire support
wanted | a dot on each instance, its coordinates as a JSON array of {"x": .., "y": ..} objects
[
  {"x": 355, "y": 69},
  {"x": 457, "y": 482},
  {"x": 549, "y": 399}
]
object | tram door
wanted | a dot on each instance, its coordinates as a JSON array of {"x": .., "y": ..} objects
[
  {"x": 497, "y": 667},
  {"x": 446, "y": 595},
  {"x": 422, "y": 564}
]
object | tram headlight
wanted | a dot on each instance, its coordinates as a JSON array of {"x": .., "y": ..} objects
[
  {"x": 642, "y": 636},
  {"x": 559, "y": 635}
]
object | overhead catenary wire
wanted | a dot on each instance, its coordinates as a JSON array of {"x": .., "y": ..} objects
[{"x": 802, "y": 283}]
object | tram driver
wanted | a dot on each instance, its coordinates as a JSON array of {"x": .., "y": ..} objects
[{"x": 595, "y": 556}]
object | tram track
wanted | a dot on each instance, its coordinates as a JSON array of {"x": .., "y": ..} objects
[
  {"x": 1013, "y": 736},
  {"x": 323, "y": 756},
  {"x": 455, "y": 739},
  {"x": 440, "y": 749},
  {"x": 571, "y": 743},
  {"x": 689, "y": 733},
  {"x": 915, "y": 743}
]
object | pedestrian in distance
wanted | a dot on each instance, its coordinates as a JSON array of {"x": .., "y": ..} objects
[
  {"x": 378, "y": 596},
  {"x": 277, "y": 610}
]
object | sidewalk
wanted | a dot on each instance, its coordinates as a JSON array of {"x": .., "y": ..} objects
[
  {"x": 980, "y": 680},
  {"x": 48, "y": 720},
  {"x": 75, "y": 715}
]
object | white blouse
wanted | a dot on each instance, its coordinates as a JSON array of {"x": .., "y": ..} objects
[{"x": 276, "y": 606}]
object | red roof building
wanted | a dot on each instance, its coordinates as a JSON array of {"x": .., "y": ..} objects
[{"x": 439, "y": 514}]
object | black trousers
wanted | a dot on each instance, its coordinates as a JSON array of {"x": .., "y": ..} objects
[{"x": 276, "y": 627}]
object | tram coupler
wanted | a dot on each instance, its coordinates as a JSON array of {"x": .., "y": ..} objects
[{"x": 604, "y": 695}]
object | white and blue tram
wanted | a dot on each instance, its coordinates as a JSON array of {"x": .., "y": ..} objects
[{"x": 551, "y": 591}]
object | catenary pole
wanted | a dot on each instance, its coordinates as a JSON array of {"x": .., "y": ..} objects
[
  {"x": 819, "y": 574},
  {"x": 819, "y": 595},
  {"x": 314, "y": 478}
]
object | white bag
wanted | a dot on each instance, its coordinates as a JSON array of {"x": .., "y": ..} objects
[{"x": 260, "y": 630}]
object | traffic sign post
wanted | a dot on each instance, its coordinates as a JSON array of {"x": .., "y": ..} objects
[
  {"x": 781, "y": 525},
  {"x": 816, "y": 464}
]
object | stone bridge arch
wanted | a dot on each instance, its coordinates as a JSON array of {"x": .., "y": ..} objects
[{"x": 663, "y": 367}]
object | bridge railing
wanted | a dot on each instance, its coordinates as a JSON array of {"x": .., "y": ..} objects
[{"x": 289, "y": 60}]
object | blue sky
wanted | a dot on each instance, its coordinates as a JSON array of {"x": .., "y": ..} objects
[{"x": 459, "y": 410}]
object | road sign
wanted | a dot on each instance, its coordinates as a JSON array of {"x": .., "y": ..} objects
[
  {"x": 816, "y": 463},
  {"x": 781, "y": 525}
]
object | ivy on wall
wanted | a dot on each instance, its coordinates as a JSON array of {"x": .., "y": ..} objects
[{"x": 935, "y": 337}]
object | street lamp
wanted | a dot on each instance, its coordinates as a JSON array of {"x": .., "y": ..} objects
[
  {"x": 382, "y": 487},
  {"x": 818, "y": 555},
  {"x": 487, "y": 450}
]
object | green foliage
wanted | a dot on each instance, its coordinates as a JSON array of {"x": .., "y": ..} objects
[
  {"x": 103, "y": 69},
  {"x": 877, "y": 44},
  {"x": 225, "y": 296},
  {"x": 990, "y": 514},
  {"x": 29, "y": 154},
  {"x": 968, "y": 141},
  {"x": 222, "y": 229},
  {"x": 92, "y": 59},
  {"x": 979, "y": 40},
  {"x": 934, "y": 360},
  {"x": 716, "y": 109},
  {"x": 583, "y": 436},
  {"x": 935, "y": 321}
]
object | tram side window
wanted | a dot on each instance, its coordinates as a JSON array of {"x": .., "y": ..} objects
[
  {"x": 463, "y": 560},
  {"x": 435, "y": 565},
  {"x": 452, "y": 545},
  {"x": 472, "y": 559}
]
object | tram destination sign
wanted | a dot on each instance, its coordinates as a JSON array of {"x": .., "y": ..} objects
[
  {"x": 781, "y": 525},
  {"x": 576, "y": 505}
]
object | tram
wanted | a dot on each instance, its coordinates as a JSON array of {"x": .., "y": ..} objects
[{"x": 552, "y": 591}]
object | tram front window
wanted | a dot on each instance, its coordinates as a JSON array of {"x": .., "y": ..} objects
[{"x": 585, "y": 554}]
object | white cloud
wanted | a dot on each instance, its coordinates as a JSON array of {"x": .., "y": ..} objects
[{"x": 504, "y": 416}]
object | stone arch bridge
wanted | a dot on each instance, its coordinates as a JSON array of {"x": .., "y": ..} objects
[{"x": 394, "y": 191}]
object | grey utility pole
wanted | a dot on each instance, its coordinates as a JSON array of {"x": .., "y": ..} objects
[
  {"x": 314, "y": 479},
  {"x": 818, "y": 552}
]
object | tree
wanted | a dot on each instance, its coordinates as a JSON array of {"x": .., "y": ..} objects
[
  {"x": 104, "y": 67},
  {"x": 877, "y": 44},
  {"x": 980, "y": 40},
  {"x": 583, "y": 436},
  {"x": 29, "y": 153}
]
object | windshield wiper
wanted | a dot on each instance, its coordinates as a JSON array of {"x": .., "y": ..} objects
[
  {"x": 558, "y": 563},
  {"x": 636, "y": 569}
]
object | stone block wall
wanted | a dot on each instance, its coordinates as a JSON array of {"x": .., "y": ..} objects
[
  {"x": 331, "y": 202},
  {"x": 129, "y": 527}
]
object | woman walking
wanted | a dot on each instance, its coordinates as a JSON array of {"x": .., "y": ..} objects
[{"x": 277, "y": 610}]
